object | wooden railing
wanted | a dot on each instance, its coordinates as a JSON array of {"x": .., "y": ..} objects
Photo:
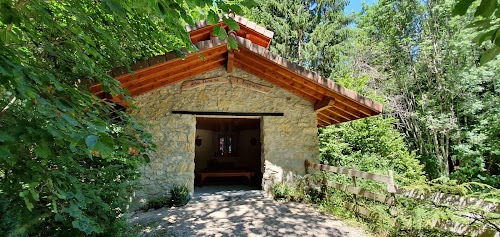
[{"x": 392, "y": 190}]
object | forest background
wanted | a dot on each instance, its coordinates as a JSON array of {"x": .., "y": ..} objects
[
  {"x": 67, "y": 158},
  {"x": 433, "y": 65},
  {"x": 441, "y": 103}
]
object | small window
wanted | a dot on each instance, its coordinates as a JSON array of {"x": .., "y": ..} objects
[{"x": 225, "y": 145}]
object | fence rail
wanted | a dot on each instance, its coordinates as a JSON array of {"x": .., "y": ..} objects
[{"x": 392, "y": 189}]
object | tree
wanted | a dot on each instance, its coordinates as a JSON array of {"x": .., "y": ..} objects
[
  {"x": 425, "y": 66},
  {"x": 68, "y": 158},
  {"x": 311, "y": 33}
]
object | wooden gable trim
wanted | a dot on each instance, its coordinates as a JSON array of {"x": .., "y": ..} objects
[
  {"x": 258, "y": 35},
  {"x": 170, "y": 72},
  {"x": 303, "y": 87},
  {"x": 333, "y": 103}
]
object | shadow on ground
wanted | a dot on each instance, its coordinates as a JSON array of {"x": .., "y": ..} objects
[{"x": 245, "y": 214}]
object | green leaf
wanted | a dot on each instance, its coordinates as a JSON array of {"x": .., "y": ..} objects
[
  {"x": 187, "y": 18},
  {"x": 231, "y": 23},
  {"x": 236, "y": 9},
  {"x": 70, "y": 195},
  {"x": 489, "y": 55},
  {"x": 212, "y": 18},
  {"x": 91, "y": 141},
  {"x": 461, "y": 7},
  {"x": 8, "y": 37},
  {"x": 481, "y": 37},
  {"x": 496, "y": 38},
  {"x": 479, "y": 24},
  {"x": 161, "y": 8},
  {"x": 42, "y": 151},
  {"x": 4, "y": 151},
  {"x": 34, "y": 194},
  {"x": 220, "y": 32},
  {"x": 202, "y": 57},
  {"x": 105, "y": 146},
  {"x": 4, "y": 137},
  {"x": 23, "y": 194},
  {"x": 232, "y": 44},
  {"x": 486, "y": 8},
  {"x": 114, "y": 6},
  {"x": 59, "y": 217},
  {"x": 54, "y": 207},
  {"x": 29, "y": 205},
  {"x": 223, "y": 6},
  {"x": 249, "y": 3},
  {"x": 70, "y": 119}
]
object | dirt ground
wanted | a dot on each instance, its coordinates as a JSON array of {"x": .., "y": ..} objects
[{"x": 251, "y": 216}]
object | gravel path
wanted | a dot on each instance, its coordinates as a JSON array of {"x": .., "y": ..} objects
[{"x": 239, "y": 216}]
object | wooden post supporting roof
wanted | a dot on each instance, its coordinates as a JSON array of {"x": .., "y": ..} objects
[
  {"x": 230, "y": 61},
  {"x": 325, "y": 103}
]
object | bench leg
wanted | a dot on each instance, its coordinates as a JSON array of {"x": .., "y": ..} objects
[{"x": 249, "y": 179}]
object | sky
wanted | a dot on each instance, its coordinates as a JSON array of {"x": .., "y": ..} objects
[{"x": 355, "y": 5}]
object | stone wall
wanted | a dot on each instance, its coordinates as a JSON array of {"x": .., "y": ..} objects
[{"x": 286, "y": 140}]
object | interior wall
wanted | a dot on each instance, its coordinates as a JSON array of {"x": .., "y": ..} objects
[
  {"x": 250, "y": 154},
  {"x": 205, "y": 151},
  {"x": 247, "y": 154}
]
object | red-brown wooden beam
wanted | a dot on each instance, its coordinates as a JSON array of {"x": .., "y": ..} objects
[
  {"x": 207, "y": 66},
  {"x": 323, "y": 104},
  {"x": 312, "y": 84},
  {"x": 230, "y": 61}
]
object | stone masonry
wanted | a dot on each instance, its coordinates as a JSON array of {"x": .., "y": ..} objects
[{"x": 286, "y": 140}]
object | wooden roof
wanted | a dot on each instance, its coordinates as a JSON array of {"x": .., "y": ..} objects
[{"x": 333, "y": 103}]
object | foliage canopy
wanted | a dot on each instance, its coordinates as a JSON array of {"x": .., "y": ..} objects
[{"x": 67, "y": 158}]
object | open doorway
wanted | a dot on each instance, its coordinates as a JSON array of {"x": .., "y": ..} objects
[{"x": 227, "y": 154}]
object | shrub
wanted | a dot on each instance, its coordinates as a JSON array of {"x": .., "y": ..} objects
[
  {"x": 281, "y": 190},
  {"x": 157, "y": 203},
  {"x": 179, "y": 195}
]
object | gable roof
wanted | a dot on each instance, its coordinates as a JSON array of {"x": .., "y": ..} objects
[{"x": 333, "y": 103}]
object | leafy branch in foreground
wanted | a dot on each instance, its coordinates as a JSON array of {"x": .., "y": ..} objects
[
  {"x": 67, "y": 158},
  {"x": 487, "y": 24}
]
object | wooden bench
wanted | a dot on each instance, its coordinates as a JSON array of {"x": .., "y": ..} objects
[{"x": 226, "y": 173}]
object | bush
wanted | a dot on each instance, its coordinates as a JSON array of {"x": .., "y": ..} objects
[
  {"x": 67, "y": 157},
  {"x": 281, "y": 190},
  {"x": 179, "y": 195},
  {"x": 157, "y": 203}
]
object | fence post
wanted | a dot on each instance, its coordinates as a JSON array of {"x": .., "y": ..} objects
[
  {"x": 391, "y": 188},
  {"x": 354, "y": 182},
  {"x": 306, "y": 166},
  {"x": 325, "y": 185}
]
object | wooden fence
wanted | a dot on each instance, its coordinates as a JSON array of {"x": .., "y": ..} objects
[{"x": 392, "y": 190}]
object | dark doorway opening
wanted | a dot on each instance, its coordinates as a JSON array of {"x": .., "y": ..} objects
[{"x": 227, "y": 153}]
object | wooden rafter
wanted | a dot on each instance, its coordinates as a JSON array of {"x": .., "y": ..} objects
[
  {"x": 323, "y": 104},
  {"x": 327, "y": 119},
  {"x": 333, "y": 116}
]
